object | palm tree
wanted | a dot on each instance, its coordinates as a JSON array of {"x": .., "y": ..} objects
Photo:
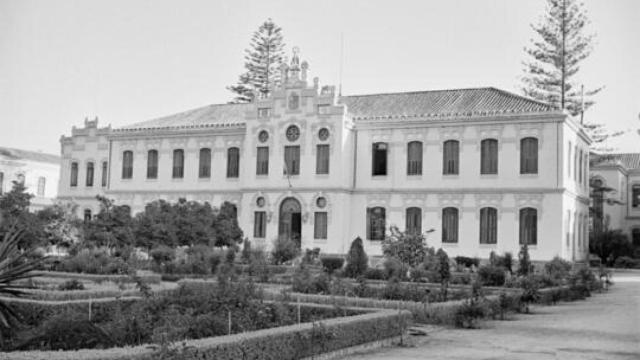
[{"x": 15, "y": 265}]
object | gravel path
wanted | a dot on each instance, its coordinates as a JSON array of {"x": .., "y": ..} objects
[{"x": 605, "y": 326}]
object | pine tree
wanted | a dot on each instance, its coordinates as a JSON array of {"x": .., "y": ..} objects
[
  {"x": 262, "y": 59},
  {"x": 555, "y": 60}
]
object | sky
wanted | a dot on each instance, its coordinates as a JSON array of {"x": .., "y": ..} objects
[{"x": 134, "y": 60}]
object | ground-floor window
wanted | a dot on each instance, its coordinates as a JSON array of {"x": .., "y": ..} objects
[
  {"x": 414, "y": 221},
  {"x": 488, "y": 225},
  {"x": 260, "y": 224},
  {"x": 635, "y": 236},
  {"x": 376, "y": 223},
  {"x": 87, "y": 215},
  {"x": 320, "y": 225},
  {"x": 529, "y": 226},
  {"x": 450, "y": 225}
]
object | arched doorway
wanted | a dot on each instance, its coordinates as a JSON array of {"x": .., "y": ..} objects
[{"x": 290, "y": 223}]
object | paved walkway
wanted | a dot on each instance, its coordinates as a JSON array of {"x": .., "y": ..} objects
[{"x": 605, "y": 326}]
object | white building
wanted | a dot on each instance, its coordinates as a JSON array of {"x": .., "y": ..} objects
[
  {"x": 38, "y": 171},
  {"x": 621, "y": 174},
  {"x": 485, "y": 168}
]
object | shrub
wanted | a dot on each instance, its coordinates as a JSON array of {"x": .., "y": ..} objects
[
  {"x": 557, "y": 269},
  {"x": 625, "y": 262},
  {"x": 530, "y": 292},
  {"x": 332, "y": 263},
  {"x": 258, "y": 265},
  {"x": 467, "y": 315},
  {"x": 284, "y": 250},
  {"x": 393, "y": 269},
  {"x": 64, "y": 333},
  {"x": 467, "y": 261},
  {"x": 246, "y": 251},
  {"x": 311, "y": 256},
  {"x": 524, "y": 262},
  {"x": 357, "y": 260},
  {"x": 491, "y": 275},
  {"x": 375, "y": 274},
  {"x": 162, "y": 254},
  {"x": 505, "y": 261},
  {"x": 302, "y": 281},
  {"x": 94, "y": 261},
  {"x": 73, "y": 284}
]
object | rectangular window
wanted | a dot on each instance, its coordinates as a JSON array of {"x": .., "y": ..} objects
[
  {"x": 104, "y": 173},
  {"x": 262, "y": 161},
  {"x": 41, "y": 185},
  {"x": 379, "y": 159},
  {"x": 529, "y": 226},
  {"x": 529, "y": 156},
  {"x": 635, "y": 196},
  {"x": 1, "y": 183},
  {"x": 89, "y": 179},
  {"x": 414, "y": 221},
  {"x": 233, "y": 162},
  {"x": 376, "y": 223},
  {"x": 414, "y": 158},
  {"x": 322, "y": 159},
  {"x": 451, "y": 157},
  {"x": 292, "y": 160},
  {"x": 488, "y": 225},
  {"x": 264, "y": 112},
  {"x": 127, "y": 164},
  {"x": 450, "y": 225},
  {"x": 152, "y": 164},
  {"x": 323, "y": 109},
  {"x": 204, "y": 166},
  {"x": 580, "y": 167},
  {"x": 260, "y": 224},
  {"x": 74, "y": 174},
  {"x": 320, "y": 225},
  {"x": 489, "y": 156},
  {"x": 569, "y": 161},
  {"x": 178, "y": 164}
]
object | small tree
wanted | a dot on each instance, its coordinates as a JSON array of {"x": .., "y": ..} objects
[
  {"x": 357, "y": 260},
  {"x": 14, "y": 213},
  {"x": 444, "y": 272},
  {"x": 524, "y": 262},
  {"x": 407, "y": 247}
]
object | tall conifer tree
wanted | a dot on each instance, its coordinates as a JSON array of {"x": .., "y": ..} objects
[
  {"x": 555, "y": 60},
  {"x": 262, "y": 59}
]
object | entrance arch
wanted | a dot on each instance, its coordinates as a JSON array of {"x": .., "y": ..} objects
[{"x": 290, "y": 220}]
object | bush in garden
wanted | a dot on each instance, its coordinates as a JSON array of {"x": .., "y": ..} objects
[
  {"x": 375, "y": 274},
  {"x": 302, "y": 280},
  {"x": 467, "y": 261},
  {"x": 407, "y": 247},
  {"x": 490, "y": 275},
  {"x": 284, "y": 250},
  {"x": 393, "y": 269},
  {"x": 467, "y": 315},
  {"x": 74, "y": 284},
  {"x": 530, "y": 292},
  {"x": 332, "y": 263},
  {"x": 246, "y": 251},
  {"x": 557, "y": 269},
  {"x": 582, "y": 281},
  {"x": 94, "y": 261},
  {"x": 626, "y": 262},
  {"x": 444, "y": 272},
  {"x": 357, "y": 260},
  {"x": 505, "y": 261},
  {"x": 258, "y": 265},
  {"x": 524, "y": 261},
  {"x": 311, "y": 256}
]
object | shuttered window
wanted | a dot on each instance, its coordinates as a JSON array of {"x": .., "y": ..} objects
[
  {"x": 204, "y": 163},
  {"x": 127, "y": 164},
  {"x": 89, "y": 175},
  {"x": 320, "y": 225},
  {"x": 635, "y": 196},
  {"x": 450, "y": 157},
  {"x": 489, "y": 156},
  {"x": 379, "y": 159},
  {"x": 322, "y": 159},
  {"x": 376, "y": 223},
  {"x": 529, "y": 156},
  {"x": 260, "y": 224},
  {"x": 450, "y": 225},
  {"x": 488, "y": 225},
  {"x": 178, "y": 164},
  {"x": 104, "y": 173},
  {"x": 414, "y": 158},
  {"x": 262, "y": 160},
  {"x": 528, "y": 226},
  {"x": 233, "y": 162},
  {"x": 292, "y": 160},
  {"x": 414, "y": 221},
  {"x": 152, "y": 164}
]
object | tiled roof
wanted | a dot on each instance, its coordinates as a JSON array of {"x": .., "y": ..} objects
[
  {"x": 441, "y": 103},
  {"x": 216, "y": 115},
  {"x": 18, "y": 154},
  {"x": 628, "y": 160}
]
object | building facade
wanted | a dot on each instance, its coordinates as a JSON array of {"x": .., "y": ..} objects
[
  {"x": 485, "y": 169},
  {"x": 38, "y": 171},
  {"x": 619, "y": 206}
]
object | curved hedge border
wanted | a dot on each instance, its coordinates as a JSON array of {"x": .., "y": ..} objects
[{"x": 286, "y": 342}]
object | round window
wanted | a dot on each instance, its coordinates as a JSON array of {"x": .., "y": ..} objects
[
  {"x": 321, "y": 202},
  {"x": 293, "y": 133},
  {"x": 260, "y": 202},
  {"x": 263, "y": 136},
  {"x": 323, "y": 134}
]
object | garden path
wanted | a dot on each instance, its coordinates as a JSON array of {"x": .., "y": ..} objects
[{"x": 605, "y": 326}]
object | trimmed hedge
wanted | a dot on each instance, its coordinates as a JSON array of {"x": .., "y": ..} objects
[
  {"x": 148, "y": 277},
  {"x": 286, "y": 342}
]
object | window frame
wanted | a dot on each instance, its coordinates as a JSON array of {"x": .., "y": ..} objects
[
  {"x": 204, "y": 163},
  {"x": 320, "y": 225},
  {"x": 489, "y": 154},
  {"x": 291, "y": 160},
  {"x": 488, "y": 226},
  {"x": 376, "y": 223},
  {"x": 451, "y": 157},
  {"x": 414, "y": 158},
  {"x": 379, "y": 159},
  {"x": 152, "y": 164},
  {"x": 233, "y": 162},
  {"x": 529, "y": 155},
  {"x": 528, "y": 226},
  {"x": 89, "y": 175},
  {"x": 450, "y": 218},
  {"x": 413, "y": 220},
  {"x": 323, "y": 163},
  {"x": 127, "y": 165},
  {"x": 260, "y": 224},
  {"x": 635, "y": 196},
  {"x": 262, "y": 160},
  {"x": 177, "y": 171}
]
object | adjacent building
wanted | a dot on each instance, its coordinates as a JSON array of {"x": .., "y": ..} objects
[
  {"x": 618, "y": 207},
  {"x": 38, "y": 171},
  {"x": 485, "y": 169}
]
